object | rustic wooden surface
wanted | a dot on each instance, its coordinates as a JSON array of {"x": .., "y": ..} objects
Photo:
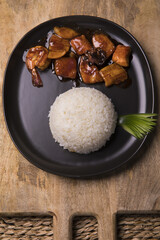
[{"x": 25, "y": 188}]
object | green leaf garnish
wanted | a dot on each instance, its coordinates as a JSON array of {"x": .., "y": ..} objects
[{"x": 138, "y": 125}]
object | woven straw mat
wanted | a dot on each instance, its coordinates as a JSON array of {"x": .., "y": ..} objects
[{"x": 129, "y": 227}]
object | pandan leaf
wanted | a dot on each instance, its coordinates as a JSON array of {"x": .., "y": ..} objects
[{"x": 138, "y": 125}]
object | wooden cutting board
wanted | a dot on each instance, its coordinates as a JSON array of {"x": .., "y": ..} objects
[{"x": 25, "y": 188}]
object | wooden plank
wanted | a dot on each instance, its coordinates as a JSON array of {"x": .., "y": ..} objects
[{"x": 25, "y": 188}]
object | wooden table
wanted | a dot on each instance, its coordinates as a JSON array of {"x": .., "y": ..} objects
[{"x": 25, "y": 188}]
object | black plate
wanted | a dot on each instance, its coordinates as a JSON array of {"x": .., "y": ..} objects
[{"x": 26, "y": 107}]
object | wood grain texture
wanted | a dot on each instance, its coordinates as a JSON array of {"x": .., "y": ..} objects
[{"x": 25, "y": 188}]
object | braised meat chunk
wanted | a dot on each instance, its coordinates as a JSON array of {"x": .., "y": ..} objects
[
  {"x": 95, "y": 56},
  {"x": 89, "y": 73},
  {"x": 80, "y": 44},
  {"x": 70, "y": 52},
  {"x": 113, "y": 74},
  {"x": 121, "y": 55},
  {"x": 37, "y": 57},
  {"x": 65, "y": 32},
  {"x": 66, "y": 67},
  {"x": 58, "y": 47},
  {"x": 103, "y": 42}
]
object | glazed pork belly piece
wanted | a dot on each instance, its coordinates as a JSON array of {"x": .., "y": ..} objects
[
  {"x": 121, "y": 55},
  {"x": 66, "y": 67},
  {"x": 58, "y": 47},
  {"x": 103, "y": 42},
  {"x": 89, "y": 73},
  {"x": 113, "y": 74},
  {"x": 80, "y": 45},
  {"x": 65, "y": 32}
]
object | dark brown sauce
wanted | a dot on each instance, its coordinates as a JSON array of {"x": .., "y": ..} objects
[
  {"x": 88, "y": 34},
  {"x": 125, "y": 84},
  {"x": 42, "y": 42}
]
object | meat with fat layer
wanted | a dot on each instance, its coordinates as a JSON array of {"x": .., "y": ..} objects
[
  {"x": 65, "y": 32},
  {"x": 80, "y": 45},
  {"x": 58, "y": 47},
  {"x": 113, "y": 74},
  {"x": 89, "y": 73},
  {"x": 121, "y": 55},
  {"x": 103, "y": 42}
]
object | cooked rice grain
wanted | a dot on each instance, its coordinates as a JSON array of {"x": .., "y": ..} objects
[{"x": 82, "y": 120}]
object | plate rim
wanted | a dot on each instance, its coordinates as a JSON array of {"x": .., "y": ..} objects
[{"x": 100, "y": 173}]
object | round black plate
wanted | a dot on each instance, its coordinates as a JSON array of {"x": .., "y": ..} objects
[{"x": 26, "y": 107}]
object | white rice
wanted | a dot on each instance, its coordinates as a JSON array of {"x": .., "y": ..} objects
[{"x": 82, "y": 120}]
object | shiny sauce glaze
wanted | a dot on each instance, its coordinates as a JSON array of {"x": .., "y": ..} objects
[{"x": 90, "y": 56}]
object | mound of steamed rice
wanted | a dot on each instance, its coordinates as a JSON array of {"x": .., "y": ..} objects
[{"x": 82, "y": 120}]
